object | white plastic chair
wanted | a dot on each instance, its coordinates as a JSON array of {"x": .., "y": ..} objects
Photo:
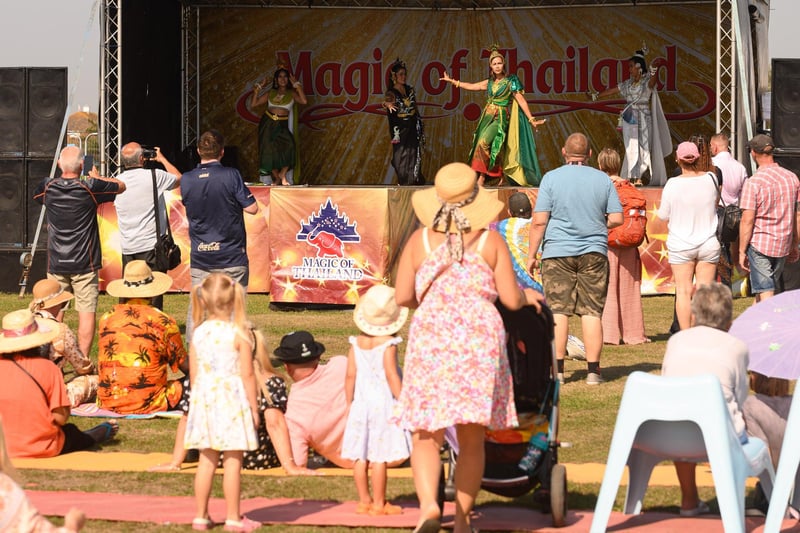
[
  {"x": 788, "y": 473},
  {"x": 686, "y": 419}
]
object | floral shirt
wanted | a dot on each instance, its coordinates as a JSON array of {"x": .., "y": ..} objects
[{"x": 138, "y": 345}]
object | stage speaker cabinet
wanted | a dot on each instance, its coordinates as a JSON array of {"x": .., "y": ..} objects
[
  {"x": 12, "y": 113},
  {"x": 12, "y": 200},
  {"x": 786, "y": 103},
  {"x": 36, "y": 170},
  {"x": 47, "y": 103}
]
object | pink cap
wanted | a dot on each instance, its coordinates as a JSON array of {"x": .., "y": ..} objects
[{"x": 687, "y": 151}]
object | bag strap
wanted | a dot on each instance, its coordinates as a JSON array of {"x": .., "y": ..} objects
[
  {"x": 44, "y": 394},
  {"x": 155, "y": 208}
]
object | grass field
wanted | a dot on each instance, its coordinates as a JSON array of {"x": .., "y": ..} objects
[{"x": 587, "y": 420}]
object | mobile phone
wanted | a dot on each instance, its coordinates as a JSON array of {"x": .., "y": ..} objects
[{"x": 88, "y": 164}]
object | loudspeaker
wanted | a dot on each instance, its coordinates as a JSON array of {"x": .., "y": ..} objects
[
  {"x": 47, "y": 103},
  {"x": 12, "y": 200},
  {"x": 35, "y": 171},
  {"x": 12, "y": 111},
  {"x": 789, "y": 161},
  {"x": 786, "y": 103}
]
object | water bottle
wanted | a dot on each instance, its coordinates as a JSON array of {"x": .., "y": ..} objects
[{"x": 536, "y": 447}]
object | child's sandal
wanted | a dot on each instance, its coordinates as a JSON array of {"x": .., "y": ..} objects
[
  {"x": 245, "y": 524},
  {"x": 202, "y": 524}
]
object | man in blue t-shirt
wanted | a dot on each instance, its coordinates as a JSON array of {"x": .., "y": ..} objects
[
  {"x": 575, "y": 208},
  {"x": 216, "y": 198}
]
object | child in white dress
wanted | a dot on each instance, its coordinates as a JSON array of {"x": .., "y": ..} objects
[
  {"x": 223, "y": 413},
  {"x": 372, "y": 386}
]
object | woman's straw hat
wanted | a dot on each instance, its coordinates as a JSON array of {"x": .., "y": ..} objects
[
  {"x": 139, "y": 282},
  {"x": 21, "y": 331},
  {"x": 377, "y": 313},
  {"x": 456, "y": 183},
  {"x": 48, "y": 293}
]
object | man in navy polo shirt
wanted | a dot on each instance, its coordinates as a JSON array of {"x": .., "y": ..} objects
[{"x": 216, "y": 198}]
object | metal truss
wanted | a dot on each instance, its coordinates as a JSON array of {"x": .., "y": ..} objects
[
  {"x": 111, "y": 91},
  {"x": 422, "y": 4},
  {"x": 190, "y": 99},
  {"x": 726, "y": 68}
]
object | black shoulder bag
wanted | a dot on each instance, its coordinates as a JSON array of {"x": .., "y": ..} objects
[{"x": 168, "y": 254}]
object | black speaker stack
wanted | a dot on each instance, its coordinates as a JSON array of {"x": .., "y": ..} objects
[{"x": 786, "y": 112}]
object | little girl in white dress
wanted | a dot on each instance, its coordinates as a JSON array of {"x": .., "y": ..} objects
[{"x": 372, "y": 386}]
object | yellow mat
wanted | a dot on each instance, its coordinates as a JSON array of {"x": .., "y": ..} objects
[{"x": 663, "y": 475}]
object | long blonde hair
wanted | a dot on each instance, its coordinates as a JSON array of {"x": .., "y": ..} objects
[
  {"x": 219, "y": 294},
  {"x": 262, "y": 365}
]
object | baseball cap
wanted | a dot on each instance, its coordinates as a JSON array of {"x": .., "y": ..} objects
[
  {"x": 519, "y": 204},
  {"x": 761, "y": 144},
  {"x": 687, "y": 151}
]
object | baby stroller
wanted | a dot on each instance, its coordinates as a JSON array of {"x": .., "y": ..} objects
[{"x": 536, "y": 397}]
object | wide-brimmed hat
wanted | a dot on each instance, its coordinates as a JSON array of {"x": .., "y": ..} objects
[
  {"x": 456, "y": 183},
  {"x": 48, "y": 293},
  {"x": 297, "y": 347},
  {"x": 21, "y": 331},
  {"x": 139, "y": 281},
  {"x": 377, "y": 313},
  {"x": 761, "y": 144}
]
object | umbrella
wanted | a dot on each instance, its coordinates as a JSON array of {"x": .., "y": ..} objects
[{"x": 771, "y": 330}]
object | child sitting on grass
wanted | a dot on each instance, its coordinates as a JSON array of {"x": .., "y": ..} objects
[{"x": 372, "y": 386}]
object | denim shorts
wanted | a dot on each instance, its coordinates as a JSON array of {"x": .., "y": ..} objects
[{"x": 765, "y": 271}]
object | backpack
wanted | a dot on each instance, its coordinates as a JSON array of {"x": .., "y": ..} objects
[{"x": 633, "y": 230}]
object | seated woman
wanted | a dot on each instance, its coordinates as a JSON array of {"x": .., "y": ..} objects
[
  {"x": 17, "y": 513},
  {"x": 49, "y": 300},
  {"x": 33, "y": 397},
  {"x": 707, "y": 348}
]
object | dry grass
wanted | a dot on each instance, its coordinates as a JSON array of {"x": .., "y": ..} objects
[{"x": 587, "y": 420}]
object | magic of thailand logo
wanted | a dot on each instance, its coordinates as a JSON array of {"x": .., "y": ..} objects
[{"x": 327, "y": 231}]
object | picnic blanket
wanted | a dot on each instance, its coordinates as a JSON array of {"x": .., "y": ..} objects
[{"x": 94, "y": 411}]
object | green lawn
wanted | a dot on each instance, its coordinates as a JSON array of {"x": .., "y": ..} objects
[{"x": 587, "y": 419}]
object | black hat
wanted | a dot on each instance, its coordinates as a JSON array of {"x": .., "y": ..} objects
[
  {"x": 519, "y": 205},
  {"x": 297, "y": 347}
]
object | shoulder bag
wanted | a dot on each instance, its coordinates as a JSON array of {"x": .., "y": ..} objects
[{"x": 168, "y": 254}]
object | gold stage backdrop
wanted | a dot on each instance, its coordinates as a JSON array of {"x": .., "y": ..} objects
[
  {"x": 342, "y": 56},
  {"x": 328, "y": 245}
]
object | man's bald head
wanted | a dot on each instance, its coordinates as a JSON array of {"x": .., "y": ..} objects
[
  {"x": 576, "y": 148},
  {"x": 131, "y": 155},
  {"x": 70, "y": 161}
]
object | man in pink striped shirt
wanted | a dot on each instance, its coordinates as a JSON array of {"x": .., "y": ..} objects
[{"x": 768, "y": 231}]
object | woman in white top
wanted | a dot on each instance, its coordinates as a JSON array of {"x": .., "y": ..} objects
[
  {"x": 688, "y": 204},
  {"x": 276, "y": 144}
]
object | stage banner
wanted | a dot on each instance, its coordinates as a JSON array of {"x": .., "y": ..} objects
[
  {"x": 328, "y": 245},
  {"x": 255, "y": 226},
  {"x": 342, "y": 57}
]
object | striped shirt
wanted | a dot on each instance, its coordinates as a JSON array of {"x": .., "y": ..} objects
[{"x": 772, "y": 192}]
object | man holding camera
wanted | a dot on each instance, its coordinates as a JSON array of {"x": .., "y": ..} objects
[
  {"x": 136, "y": 211},
  {"x": 73, "y": 239}
]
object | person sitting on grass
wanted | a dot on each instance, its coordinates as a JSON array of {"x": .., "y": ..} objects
[
  {"x": 16, "y": 512},
  {"x": 706, "y": 347},
  {"x": 33, "y": 397},
  {"x": 49, "y": 299}
]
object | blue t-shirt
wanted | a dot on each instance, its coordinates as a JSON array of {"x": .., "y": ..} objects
[
  {"x": 214, "y": 197},
  {"x": 578, "y": 198}
]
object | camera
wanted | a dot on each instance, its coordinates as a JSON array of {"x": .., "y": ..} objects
[{"x": 148, "y": 153}]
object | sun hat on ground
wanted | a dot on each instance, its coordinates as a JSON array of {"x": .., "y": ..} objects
[
  {"x": 139, "y": 282},
  {"x": 377, "y": 312},
  {"x": 297, "y": 347},
  {"x": 456, "y": 199},
  {"x": 21, "y": 331},
  {"x": 687, "y": 151},
  {"x": 48, "y": 293}
]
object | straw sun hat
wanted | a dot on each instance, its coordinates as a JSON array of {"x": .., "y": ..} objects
[
  {"x": 21, "y": 331},
  {"x": 456, "y": 190},
  {"x": 48, "y": 293},
  {"x": 377, "y": 313},
  {"x": 139, "y": 282}
]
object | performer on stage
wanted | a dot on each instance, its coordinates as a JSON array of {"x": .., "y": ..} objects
[
  {"x": 277, "y": 151},
  {"x": 645, "y": 132},
  {"x": 503, "y": 145},
  {"x": 405, "y": 127}
]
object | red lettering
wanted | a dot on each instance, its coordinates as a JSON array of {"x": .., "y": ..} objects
[
  {"x": 356, "y": 76},
  {"x": 553, "y": 68},
  {"x": 377, "y": 81},
  {"x": 302, "y": 69},
  {"x": 327, "y": 79}
]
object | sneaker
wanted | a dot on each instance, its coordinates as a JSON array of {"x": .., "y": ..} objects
[
  {"x": 594, "y": 378},
  {"x": 560, "y": 377},
  {"x": 702, "y": 508},
  {"x": 575, "y": 348}
]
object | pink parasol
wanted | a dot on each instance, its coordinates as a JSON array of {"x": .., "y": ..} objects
[{"x": 771, "y": 330}]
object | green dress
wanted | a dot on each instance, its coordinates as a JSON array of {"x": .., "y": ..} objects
[{"x": 503, "y": 143}]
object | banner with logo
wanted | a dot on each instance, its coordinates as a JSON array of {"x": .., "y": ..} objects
[{"x": 342, "y": 57}]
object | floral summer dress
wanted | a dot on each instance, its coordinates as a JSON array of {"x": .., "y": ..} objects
[
  {"x": 219, "y": 413},
  {"x": 369, "y": 434},
  {"x": 456, "y": 369}
]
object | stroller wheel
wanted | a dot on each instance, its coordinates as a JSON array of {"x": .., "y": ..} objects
[{"x": 558, "y": 495}]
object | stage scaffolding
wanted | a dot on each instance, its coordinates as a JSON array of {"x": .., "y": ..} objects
[{"x": 734, "y": 103}]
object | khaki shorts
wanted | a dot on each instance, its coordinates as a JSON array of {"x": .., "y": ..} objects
[
  {"x": 83, "y": 286},
  {"x": 576, "y": 285}
]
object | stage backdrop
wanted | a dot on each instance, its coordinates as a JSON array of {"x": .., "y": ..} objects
[{"x": 342, "y": 56}]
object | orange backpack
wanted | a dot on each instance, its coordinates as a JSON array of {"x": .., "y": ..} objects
[{"x": 633, "y": 230}]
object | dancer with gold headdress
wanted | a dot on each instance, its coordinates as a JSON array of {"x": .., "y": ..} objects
[
  {"x": 502, "y": 144},
  {"x": 277, "y": 152},
  {"x": 405, "y": 127}
]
